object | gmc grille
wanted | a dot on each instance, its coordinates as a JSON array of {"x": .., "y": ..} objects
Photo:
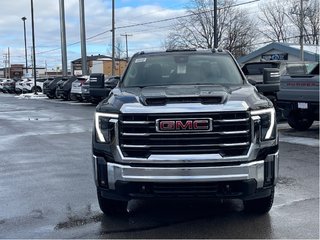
[{"x": 230, "y": 135}]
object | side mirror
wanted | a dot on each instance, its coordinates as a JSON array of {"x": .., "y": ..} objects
[{"x": 252, "y": 82}]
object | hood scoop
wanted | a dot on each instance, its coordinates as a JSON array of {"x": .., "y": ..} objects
[{"x": 155, "y": 96}]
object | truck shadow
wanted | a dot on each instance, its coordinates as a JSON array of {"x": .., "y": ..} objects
[
  {"x": 186, "y": 219},
  {"x": 312, "y": 132}
]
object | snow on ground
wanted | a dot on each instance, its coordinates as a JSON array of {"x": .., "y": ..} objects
[{"x": 32, "y": 96}]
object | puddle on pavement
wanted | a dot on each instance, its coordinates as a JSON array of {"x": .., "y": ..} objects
[
  {"x": 75, "y": 219},
  {"x": 286, "y": 181}
]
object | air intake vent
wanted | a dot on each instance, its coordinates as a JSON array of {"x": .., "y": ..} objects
[{"x": 164, "y": 101}]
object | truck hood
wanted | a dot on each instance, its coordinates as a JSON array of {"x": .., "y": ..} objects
[{"x": 183, "y": 95}]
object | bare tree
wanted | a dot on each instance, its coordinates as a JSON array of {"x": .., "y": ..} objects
[
  {"x": 119, "y": 49},
  {"x": 311, "y": 19},
  {"x": 274, "y": 17},
  {"x": 197, "y": 30},
  {"x": 239, "y": 34}
]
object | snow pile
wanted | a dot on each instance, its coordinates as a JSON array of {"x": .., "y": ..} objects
[{"x": 32, "y": 96}]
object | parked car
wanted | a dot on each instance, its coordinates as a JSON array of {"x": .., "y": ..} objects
[
  {"x": 298, "y": 97},
  {"x": 266, "y": 75},
  {"x": 28, "y": 87},
  {"x": 9, "y": 85},
  {"x": 2, "y": 81},
  {"x": 85, "y": 91},
  {"x": 20, "y": 85},
  {"x": 50, "y": 85},
  {"x": 76, "y": 88},
  {"x": 63, "y": 89},
  {"x": 100, "y": 86}
]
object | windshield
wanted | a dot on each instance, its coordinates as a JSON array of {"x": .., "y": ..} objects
[{"x": 182, "y": 69}]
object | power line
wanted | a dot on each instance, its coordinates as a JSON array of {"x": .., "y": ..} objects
[
  {"x": 147, "y": 23},
  {"x": 152, "y": 22}
]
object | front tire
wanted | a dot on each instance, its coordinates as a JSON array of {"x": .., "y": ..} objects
[
  {"x": 112, "y": 207},
  {"x": 260, "y": 205},
  {"x": 298, "y": 121}
]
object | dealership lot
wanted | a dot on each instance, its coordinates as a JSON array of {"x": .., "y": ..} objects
[{"x": 47, "y": 188}]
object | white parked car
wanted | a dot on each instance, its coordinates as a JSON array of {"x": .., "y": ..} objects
[
  {"x": 76, "y": 92},
  {"x": 29, "y": 86},
  {"x": 20, "y": 85}
]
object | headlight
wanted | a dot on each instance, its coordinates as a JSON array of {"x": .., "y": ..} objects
[
  {"x": 104, "y": 125},
  {"x": 267, "y": 123}
]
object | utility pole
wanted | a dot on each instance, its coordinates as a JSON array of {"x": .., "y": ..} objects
[
  {"x": 215, "y": 24},
  {"x": 5, "y": 61},
  {"x": 301, "y": 30},
  {"x": 126, "y": 36},
  {"x": 33, "y": 51},
  {"x": 25, "y": 43},
  {"x": 83, "y": 39},
  {"x": 9, "y": 64},
  {"x": 63, "y": 40},
  {"x": 46, "y": 66},
  {"x": 113, "y": 40}
]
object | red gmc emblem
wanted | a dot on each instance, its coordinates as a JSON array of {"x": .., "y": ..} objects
[{"x": 183, "y": 125}]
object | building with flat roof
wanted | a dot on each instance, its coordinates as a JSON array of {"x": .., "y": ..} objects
[{"x": 98, "y": 64}]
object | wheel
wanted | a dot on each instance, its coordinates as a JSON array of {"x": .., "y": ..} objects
[
  {"x": 50, "y": 96},
  {"x": 298, "y": 121},
  {"x": 39, "y": 90},
  {"x": 56, "y": 94},
  {"x": 68, "y": 98},
  {"x": 260, "y": 205},
  {"x": 112, "y": 207}
]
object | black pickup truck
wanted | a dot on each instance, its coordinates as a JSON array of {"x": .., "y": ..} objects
[
  {"x": 63, "y": 89},
  {"x": 185, "y": 124},
  {"x": 100, "y": 86},
  {"x": 49, "y": 87}
]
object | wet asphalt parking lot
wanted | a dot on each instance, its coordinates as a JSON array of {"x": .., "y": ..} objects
[{"x": 47, "y": 188}]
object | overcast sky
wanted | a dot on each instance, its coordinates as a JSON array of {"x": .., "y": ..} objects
[{"x": 98, "y": 20}]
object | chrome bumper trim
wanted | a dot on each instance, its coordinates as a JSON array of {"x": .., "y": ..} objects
[
  {"x": 254, "y": 170},
  {"x": 245, "y": 171}
]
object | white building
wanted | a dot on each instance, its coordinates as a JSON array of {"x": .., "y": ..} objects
[{"x": 282, "y": 51}]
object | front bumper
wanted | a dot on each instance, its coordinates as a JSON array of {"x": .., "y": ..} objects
[
  {"x": 111, "y": 177},
  {"x": 76, "y": 96},
  {"x": 61, "y": 93},
  {"x": 49, "y": 91}
]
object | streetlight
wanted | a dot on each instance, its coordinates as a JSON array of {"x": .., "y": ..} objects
[{"x": 25, "y": 43}]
